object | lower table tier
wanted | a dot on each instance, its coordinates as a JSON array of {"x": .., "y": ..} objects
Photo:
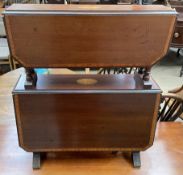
[{"x": 84, "y": 119}]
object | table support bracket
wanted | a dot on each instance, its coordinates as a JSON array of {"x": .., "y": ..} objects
[
  {"x": 36, "y": 161},
  {"x": 31, "y": 78},
  {"x": 146, "y": 78},
  {"x": 136, "y": 159}
]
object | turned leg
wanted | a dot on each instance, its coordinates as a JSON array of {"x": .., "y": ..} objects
[
  {"x": 31, "y": 78},
  {"x": 146, "y": 78},
  {"x": 141, "y": 71},
  {"x": 36, "y": 161},
  {"x": 136, "y": 159}
]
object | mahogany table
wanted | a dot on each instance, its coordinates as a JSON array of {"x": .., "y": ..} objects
[
  {"x": 165, "y": 157},
  {"x": 65, "y": 113}
]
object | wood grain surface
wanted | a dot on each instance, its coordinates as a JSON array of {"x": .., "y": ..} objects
[
  {"x": 86, "y": 117},
  {"x": 86, "y": 122},
  {"x": 100, "y": 83},
  {"x": 44, "y": 36},
  {"x": 164, "y": 157}
]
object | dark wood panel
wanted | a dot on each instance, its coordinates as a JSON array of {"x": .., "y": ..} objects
[
  {"x": 46, "y": 38},
  {"x": 52, "y": 122},
  {"x": 116, "y": 82}
]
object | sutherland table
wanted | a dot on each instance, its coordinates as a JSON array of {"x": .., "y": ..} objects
[
  {"x": 165, "y": 157},
  {"x": 87, "y": 112}
]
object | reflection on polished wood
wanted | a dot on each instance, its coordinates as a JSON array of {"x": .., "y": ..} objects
[
  {"x": 83, "y": 117},
  {"x": 112, "y": 31},
  {"x": 164, "y": 157}
]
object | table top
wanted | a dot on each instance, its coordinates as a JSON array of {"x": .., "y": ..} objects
[
  {"x": 91, "y": 8},
  {"x": 164, "y": 157},
  {"x": 118, "y": 83},
  {"x": 113, "y": 43}
]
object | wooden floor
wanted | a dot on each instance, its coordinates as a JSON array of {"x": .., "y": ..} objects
[{"x": 165, "y": 157}]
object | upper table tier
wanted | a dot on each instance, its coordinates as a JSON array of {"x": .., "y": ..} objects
[{"x": 88, "y": 35}]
